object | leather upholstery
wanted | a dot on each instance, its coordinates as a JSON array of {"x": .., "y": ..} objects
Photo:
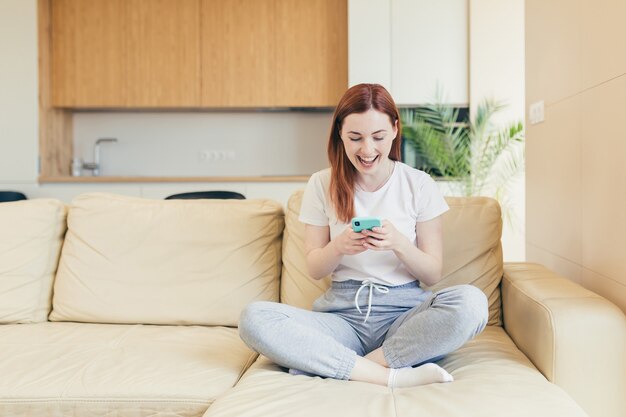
[
  {"x": 31, "y": 235},
  {"x": 64, "y": 369},
  {"x": 576, "y": 338},
  {"x": 163, "y": 263},
  {"x": 492, "y": 379},
  {"x": 133, "y": 260}
]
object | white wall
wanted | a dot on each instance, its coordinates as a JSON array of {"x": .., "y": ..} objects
[
  {"x": 496, "y": 56},
  {"x": 170, "y": 144},
  {"x": 18, "y": 91}
]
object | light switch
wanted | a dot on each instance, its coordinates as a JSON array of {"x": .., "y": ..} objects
[{"x": 536, "y": 113}]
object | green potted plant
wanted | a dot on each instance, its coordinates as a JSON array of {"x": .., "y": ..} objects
[{"x": 475, "y": 156}]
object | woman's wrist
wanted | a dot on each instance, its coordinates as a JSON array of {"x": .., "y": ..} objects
[
  {"x": 334, "y": 250},
  {"x": 404, "y": 248}
]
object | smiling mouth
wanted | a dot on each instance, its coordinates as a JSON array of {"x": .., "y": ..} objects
[{"x": 367, "y": 161}]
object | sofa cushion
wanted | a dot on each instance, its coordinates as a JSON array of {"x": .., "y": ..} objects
[
  {"x": 133, "y": 260},
  {"x": 61, "y": 369},
  {"x": 472, "y": 253},
  {"x": 32, "y": 234},
  {"x": 492, "y": 379},
  {"x": 472, "y": 249}
]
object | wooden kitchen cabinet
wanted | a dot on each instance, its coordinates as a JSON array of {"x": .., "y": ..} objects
[
  {"x": 198, "y": 53},
  {"x": 125, "y": 53},
  {"x": 163, "y": 66},
  {"x": 311, "y": 52},
  {"x": 238, "y": 53},
  {"x": 274, "y": 53},
  {"x": 182, "y": 54},
  {"x": 86, "y": 50}
]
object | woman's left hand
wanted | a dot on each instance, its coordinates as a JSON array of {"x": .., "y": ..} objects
[{"x": 386, "y": 237}]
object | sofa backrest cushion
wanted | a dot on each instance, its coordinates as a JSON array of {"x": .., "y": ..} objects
[
  {"x": 30, "y": 243},
  {"x": 472, "y": 253},
  {"x": 133, "y": 260}
]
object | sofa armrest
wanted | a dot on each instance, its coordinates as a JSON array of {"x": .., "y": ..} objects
[{"x": 576, "y": 338}]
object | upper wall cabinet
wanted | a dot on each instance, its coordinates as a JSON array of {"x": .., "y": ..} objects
[
  {"x": 198, "y": 53},
  {"x": 238, "y": 51},
  {"x": 276, "y": 53},
  {"x": 125, "y": 53},
  {"x": 311, "y": 52},
  {"x": 411, "y": 47}
]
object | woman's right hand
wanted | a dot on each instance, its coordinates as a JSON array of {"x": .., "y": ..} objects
[{"x": 349, "y": 242}]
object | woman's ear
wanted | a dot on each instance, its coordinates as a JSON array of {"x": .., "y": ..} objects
[{"x": 395, "y": 129}]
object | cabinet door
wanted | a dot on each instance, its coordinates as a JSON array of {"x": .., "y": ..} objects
[
  {"x": 369, "y": 42},
  {"x": 125, "y": 53},
  {"x": 429, "y": 49},
  {"x": 162, "y": 53},
  {"x": 311, "y": 52},
  {"x": 411, "y": 47},
  {"x": 238, "y": 53},
  {"x": 86, "y": 53}
]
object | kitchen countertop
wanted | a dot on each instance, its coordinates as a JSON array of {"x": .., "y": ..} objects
[{"x": 122, "y": 179}]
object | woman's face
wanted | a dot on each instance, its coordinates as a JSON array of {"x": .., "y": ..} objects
[{"x": 367, "y": 139}]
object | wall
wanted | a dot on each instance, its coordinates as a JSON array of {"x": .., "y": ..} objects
[
  {"x": 18, "y": 91},
  {"x": 171, "y": 144},
  {"x": 575, "y": 172},
  {"x": 496, "y": 62}
]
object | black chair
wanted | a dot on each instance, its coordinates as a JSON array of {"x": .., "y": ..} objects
[
  {"x": 6, "y": 196},
  {"x": 224, "y": 195}
]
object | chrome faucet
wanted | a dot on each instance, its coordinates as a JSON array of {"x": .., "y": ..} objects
[{"x": 95, "y": 165}]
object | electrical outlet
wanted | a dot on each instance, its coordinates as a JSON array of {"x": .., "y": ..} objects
[
  {"x": 210, "y": 155},
  {"x": 207, "y": 156},
  {"x": 536, "y": 113}
]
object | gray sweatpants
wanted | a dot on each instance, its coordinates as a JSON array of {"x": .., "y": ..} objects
[{"x": 412, "y": 326}]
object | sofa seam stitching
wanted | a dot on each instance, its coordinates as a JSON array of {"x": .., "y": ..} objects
[
  {"x": 393, "y": 400},
  {"x": 112, "y": 400}
]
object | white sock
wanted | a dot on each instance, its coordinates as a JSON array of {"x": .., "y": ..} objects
[{"x": 428, "y": 373}]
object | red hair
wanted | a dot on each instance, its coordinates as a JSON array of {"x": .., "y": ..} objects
[{"x": 357, "y": 99}]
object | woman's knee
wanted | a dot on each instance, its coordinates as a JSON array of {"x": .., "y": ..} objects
[
  {"x": 252, "y": 318},
  {"x": 471, "y": 305},
  {"x": 475, "y": 301}
]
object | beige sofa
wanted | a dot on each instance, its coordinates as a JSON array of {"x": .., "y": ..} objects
[{"x": 118, "y": 306}]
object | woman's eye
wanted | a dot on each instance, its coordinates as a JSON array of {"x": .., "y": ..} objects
[
  {"x": 355, "y": 139},
  {"x": 379, "y": 138}
]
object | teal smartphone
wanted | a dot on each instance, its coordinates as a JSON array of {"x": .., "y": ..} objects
[{"x": 362, "y": 223}]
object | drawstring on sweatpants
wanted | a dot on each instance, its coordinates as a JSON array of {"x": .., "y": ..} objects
[{"x": 367, "y": 283}]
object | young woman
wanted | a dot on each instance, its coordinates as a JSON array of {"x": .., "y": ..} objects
[{"x": 375, "y": 323}]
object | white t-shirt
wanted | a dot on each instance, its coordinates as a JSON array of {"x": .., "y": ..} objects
[{"x": 409, "y": 196}]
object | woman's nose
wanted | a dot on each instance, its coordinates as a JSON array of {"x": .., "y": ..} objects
[{"x": 368, "y": 146}]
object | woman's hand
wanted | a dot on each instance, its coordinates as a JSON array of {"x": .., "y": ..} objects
[
  {"x": 386, "y": 237},
  {"x": 349, "y": 242}
]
